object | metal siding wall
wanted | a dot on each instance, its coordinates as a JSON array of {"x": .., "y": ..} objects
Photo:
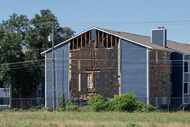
[
  {"x": 48, "y": 81},
  {"x": 61, "y": 75},
  {"x": 134, "y": 69},
  {"x": 159, "y": 37},
  {"x": 66, "y": 71}
]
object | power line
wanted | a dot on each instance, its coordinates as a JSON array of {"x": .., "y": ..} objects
[
  {"x": 150, "y": 21},
  {"x": 21, "y": 62},
  {"x": 62, "y": 61},
  {"x": 126, "y": 22}
]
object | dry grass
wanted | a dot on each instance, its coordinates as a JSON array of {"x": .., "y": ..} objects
[{"x": 93, "y": 119}]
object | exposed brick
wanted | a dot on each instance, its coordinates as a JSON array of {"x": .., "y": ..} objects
[{"x": 160, "y": 75}]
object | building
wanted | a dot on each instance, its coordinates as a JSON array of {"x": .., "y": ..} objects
[
  {"x": 107, "y": 62},
  {"x": 5, "y": 98}
]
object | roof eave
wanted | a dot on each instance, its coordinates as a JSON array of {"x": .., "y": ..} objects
[
  {"x": 123, "y": 38},
  {"x": 66, "y": 41},
  {"x": 48, "y": 50}
]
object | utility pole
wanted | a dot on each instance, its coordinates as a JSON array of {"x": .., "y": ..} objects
[{"x": 53, "y": 68}]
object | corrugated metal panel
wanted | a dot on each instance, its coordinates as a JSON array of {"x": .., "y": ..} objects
[
  {"x": 61, "y": 75},
  {"x": 134, "y": 69},
  {"x": 48, "y": 81}
]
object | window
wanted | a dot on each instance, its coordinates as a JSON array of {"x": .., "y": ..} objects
[
  {"x": 187, "y": 77},
  {"x": 187, "y": 57},
  {"x": 90, "y": 83},
  {"x": 185, "y": 88},
  {"x": 186, "y": 66}
]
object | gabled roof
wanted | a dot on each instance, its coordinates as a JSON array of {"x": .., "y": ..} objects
[
  {"x": 180, "y": 47},
  {"x": 141, "y": 40},
  {"x": 146, "y": 40}
]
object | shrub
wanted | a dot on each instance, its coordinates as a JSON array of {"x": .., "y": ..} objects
[
  {"x": 62, "y": 105},
  {"x": 125, "y": 102},
  {"x": 97, "y": 103},
  {"x": 142, "y": 107},
  {"x": 151, "y": 108},
  {"x": 70, "y": 106}
]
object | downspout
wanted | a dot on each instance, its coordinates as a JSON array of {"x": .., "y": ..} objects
[
  {"x": 119, "y": 66},
  {"x": 45, "y": 80},
  {"x": 148, "y": 87}
]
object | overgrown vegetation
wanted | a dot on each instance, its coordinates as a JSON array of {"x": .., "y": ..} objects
[
  {"x": 120, "y": 103},
  {"x": 126, "y": 102},
  {"x": 22, "y": 39},
  {"x": 98, "y": 103}
]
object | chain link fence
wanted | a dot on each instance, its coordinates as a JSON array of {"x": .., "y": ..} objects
[{"x": 163, "y": 104}]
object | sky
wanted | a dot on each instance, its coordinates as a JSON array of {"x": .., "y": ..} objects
[{"x": 136, "y": 16}]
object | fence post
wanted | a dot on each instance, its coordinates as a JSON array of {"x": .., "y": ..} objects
[
  {"x": 157, "y": 105},
  {"x": 168, "y": 105}
]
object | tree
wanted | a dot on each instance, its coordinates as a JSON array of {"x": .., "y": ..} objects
[
  {"x": 37, "y": 40},
  {"x": 21, "y": 41},
  {"x": 13, "y": 33},
  {"x": 11, "y": 51}
]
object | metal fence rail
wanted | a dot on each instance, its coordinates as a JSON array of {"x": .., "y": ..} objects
[
  {"x": 27, "y": 102},
  {"x": 160, "y": 103}
]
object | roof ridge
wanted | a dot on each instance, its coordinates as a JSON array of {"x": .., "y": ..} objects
[
  {"x": 122, "y": 32},
  {"x": 142, "y": 40},
  {"x": 147, "y": 36}
]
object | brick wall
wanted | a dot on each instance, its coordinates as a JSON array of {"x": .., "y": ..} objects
[
  {"x": 159, "y": 75},
  {"x": 103, "y": 63}
]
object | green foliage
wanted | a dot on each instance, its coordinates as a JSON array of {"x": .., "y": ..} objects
[
  {"x": 10, "y": 51},
  {"x": 23, "y": 39},
  {"x": 67, "y": 106},
  {"x": 70, "y": 106},
  {"x": 125, "y": 102},
  {"x": 151, "y": 108},
  {"x": 97, "y": 103},
  {"x": 142, "y": 107}
]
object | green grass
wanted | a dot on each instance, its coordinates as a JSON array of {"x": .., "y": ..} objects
[{"x": 93, "y": 119}]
